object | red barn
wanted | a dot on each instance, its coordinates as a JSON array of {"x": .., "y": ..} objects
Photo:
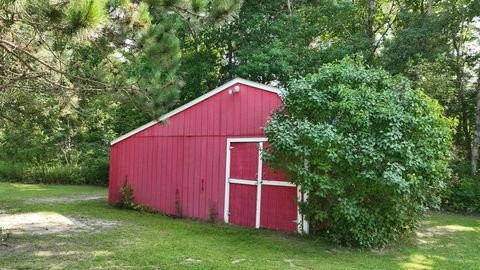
[{"x": 204, "y": 159}]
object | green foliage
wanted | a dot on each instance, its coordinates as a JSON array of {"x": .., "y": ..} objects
[
  {"x": 462, "y": 192},
  {"x": 419, "y": 38},
  {"x": 462, "y": 196},
  {"x": 198, "y": 5},
  {"x": 94, "y": 173},
  {"x": 117, "y": 3},
  {"x": 223, "y": 10},
  {"x": 109, "y": 66},
  {"x": 12, "y": 171},
  {"x": 85, "y": 14},
  {"x": 371, "y": 152},
  {"x": 41, "y": 174},
  {"x": 89, "y": 71},
  {"x": 261, "y": 46},
  {"x": 53, "y": 174},
  {"x": 153, "y": 73},
  {"x": 75, "y": 135}
]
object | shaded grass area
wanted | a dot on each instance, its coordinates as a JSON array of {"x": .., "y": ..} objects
[{"x": 152, "y": 241}]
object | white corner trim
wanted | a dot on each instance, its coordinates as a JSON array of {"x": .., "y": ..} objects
[
  {"x": 299, "y": 216},
  {"x": 305, "y": 226},
  {"x": 259, "y": 186},
  {"x": 198, "y": 100},
  {"x": 226, "y": 206}
]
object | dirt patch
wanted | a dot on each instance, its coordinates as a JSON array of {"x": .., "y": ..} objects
[
  {"x": 50, "y": 222},
  {"x": 68, "y": 199}
]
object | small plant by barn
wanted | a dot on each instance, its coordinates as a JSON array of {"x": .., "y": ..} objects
[{"x": 126, "y": 198}]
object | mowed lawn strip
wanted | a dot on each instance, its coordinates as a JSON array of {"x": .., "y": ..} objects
[{"x": 152, "y": 241}]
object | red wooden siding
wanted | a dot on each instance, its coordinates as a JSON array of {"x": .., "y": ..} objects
[
  {"x": 244, "y": 161},
  {"x": 243, "y": 204},
  {"x": 270, "y": 174},
  {"x": 279, "y": 208},
  {"x": 184, "y": 160}
]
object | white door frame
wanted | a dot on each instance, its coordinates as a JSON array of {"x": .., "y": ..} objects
[{"x": 302, "y": 226}]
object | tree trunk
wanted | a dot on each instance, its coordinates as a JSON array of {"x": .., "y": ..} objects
[
  {"x": 230, "y": 51},
  {"x": 459, "y": 77},
  {"x": 429, "y": 10},
  {"x": 476, "y": 136},
  {"x": 290, "y": 6},
  {"x": 371, "y": 13},
  {"x": 463, "y": 114}
]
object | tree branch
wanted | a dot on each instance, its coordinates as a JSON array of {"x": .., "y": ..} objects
[{"x": 8, "y": 45}]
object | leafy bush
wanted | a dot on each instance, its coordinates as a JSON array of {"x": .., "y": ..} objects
[
  {"x": 12, "y": 171},
  {"x": 462, "y": 196},
  {"x": 44, "y": 174},
  {"x": 462, "y": 192},
  {"x": 371, "y": 152},
  {"x": 96, "y": 173},
  {"x": 54, "y": 174}
]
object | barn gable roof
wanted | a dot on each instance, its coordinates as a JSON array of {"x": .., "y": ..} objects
[{"x": 196, "y": 101}]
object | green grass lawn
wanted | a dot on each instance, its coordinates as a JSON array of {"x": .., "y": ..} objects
[{"x": 152, "y": 241}]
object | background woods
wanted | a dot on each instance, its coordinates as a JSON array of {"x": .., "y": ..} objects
[{"x": 76, "y": 74}]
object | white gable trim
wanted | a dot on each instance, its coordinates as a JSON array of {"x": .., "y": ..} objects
[{"x": 198, "y": 100}]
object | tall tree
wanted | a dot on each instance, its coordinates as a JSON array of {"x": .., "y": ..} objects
[
  {"x": 76, "y": 73},
  {"x": 273, "y": 42},
  {"x": 39, "y": 40},
  {"x": 476, "y": 135},
  {"x": 442, "y": 33}
]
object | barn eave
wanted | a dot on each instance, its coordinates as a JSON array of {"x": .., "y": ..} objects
[{"x": 196, "y": 101}]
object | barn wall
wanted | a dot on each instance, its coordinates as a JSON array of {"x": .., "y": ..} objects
[{"x": 184, "y": 160}]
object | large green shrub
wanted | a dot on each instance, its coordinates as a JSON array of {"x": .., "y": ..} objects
[{"x": 371, "y": 152}]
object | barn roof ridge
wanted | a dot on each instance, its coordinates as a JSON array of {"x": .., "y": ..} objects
[{"x": 196, "y": 101}]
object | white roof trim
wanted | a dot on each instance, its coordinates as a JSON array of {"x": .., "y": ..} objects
[{"x": 198, "y": 100}]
